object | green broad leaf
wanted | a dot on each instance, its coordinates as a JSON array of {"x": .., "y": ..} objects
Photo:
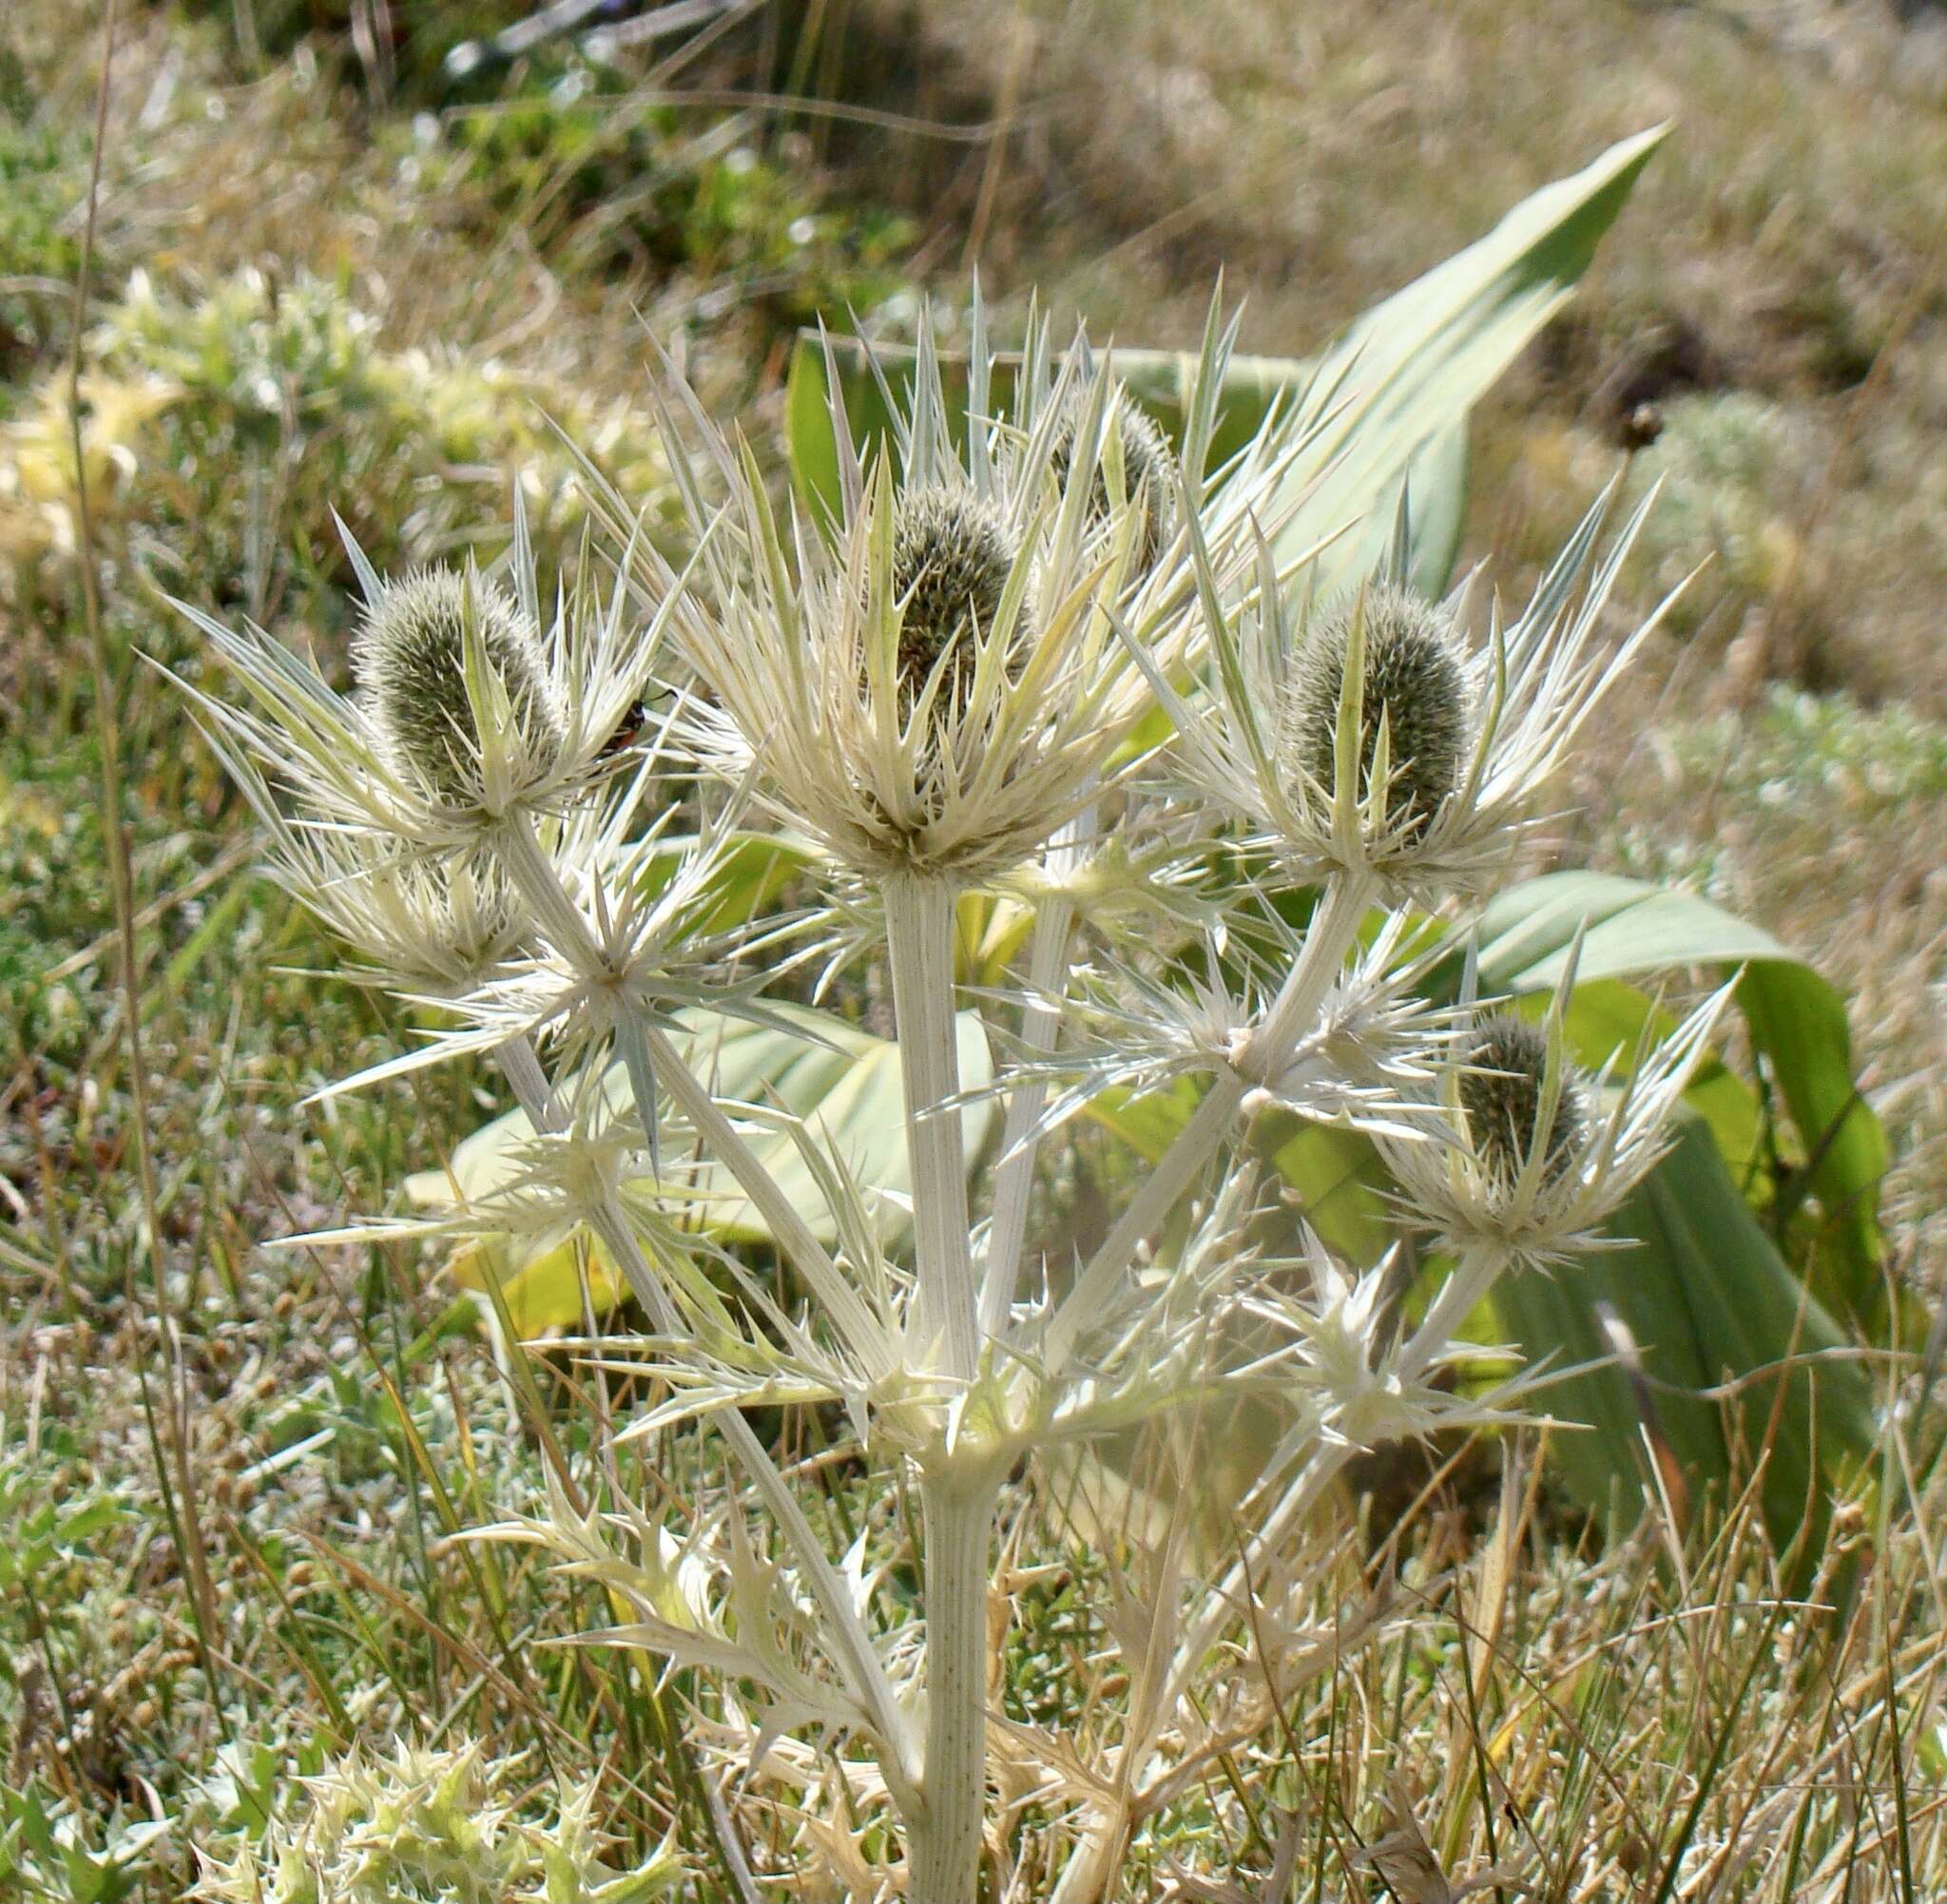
[
  {"x": 1525, "y": 931},
  {"x": 1148, "y": 1123},
  {"x": 1410, "y": 370},
  {"x": 1431, "y": 493},
  {"x": 844, "y": 1083},
  {"x": 1798, "y": 1023},
  {"x": 1606, "y": 1016},
  {"x": 841, "y": 1083},
  {"x": 1392, "y": 395},
  {"x": 1335, "y": 1179},
  {"x": 1709, "y": 1301},
  {"x": 1837, "y": 1153},
  {"x": 1339, "y": 1187},
  {"x": 808, "y": 443}
]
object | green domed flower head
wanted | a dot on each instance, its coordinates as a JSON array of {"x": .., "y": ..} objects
[
  {"x": 1501, "y": 1093},
  {"x": 410, "y": 657},
  {"x": 1412, "y": 682},
  {"x": 1148, "y": 470},
  {"x": 952, "y": 558}
]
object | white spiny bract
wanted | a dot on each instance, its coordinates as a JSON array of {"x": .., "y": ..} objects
[
  {"x": 935, "y": 681},
  {"x": 1531, "y": 1157},
  {"x": 948, "y": 689},
  {"x": 1363, "y": 1063},
  {"x": 1312, "y": 718},
  {"x": 525, "y": 730}
]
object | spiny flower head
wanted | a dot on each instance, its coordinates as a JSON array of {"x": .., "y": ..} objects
[
  {"x": 1149, "y": 475},
  {"x": 953, "y": 557},
  {"x": 1412, "y": 686},
  {"x": 422, "y": 637},
  {"x": 1503, "y": 1088},
  {"x": 933, "y": 687},
  {"x": 470, "y": 711},
  {"x": 1371, "y": 739},
  {"x": 931, "y": 667},
  {"x": 1527, "y": 1155}
]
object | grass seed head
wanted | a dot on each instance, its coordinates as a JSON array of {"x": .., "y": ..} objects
[
  {"x": 1501, "y": 1093},
  {"x": 1412, "y": 680},
  {"x": 411, "y": 660}
]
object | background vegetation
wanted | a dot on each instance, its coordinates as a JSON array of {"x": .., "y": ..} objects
[{"x": 350, "y": 256}]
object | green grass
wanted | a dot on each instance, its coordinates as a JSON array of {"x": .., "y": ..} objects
[{"x": 358, "y": 299}]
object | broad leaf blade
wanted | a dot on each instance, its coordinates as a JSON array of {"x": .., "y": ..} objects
[
  {"x": 1797, "y": 1022},
  {"x": 1707, "y": 1300},
  {"x": 1411, "y": 369}
]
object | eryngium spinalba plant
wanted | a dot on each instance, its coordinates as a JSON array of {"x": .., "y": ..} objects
[{"x": 948, "y": 686}]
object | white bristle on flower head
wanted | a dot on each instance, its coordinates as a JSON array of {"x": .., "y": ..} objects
[
  {"x": 1150, "y": 482},
  {"x": 470, "y": 713},
  {"x": 1412, "y": 686},
  {"x": 953, "y": 558},
  {"x": 1531, "y": 1155}
]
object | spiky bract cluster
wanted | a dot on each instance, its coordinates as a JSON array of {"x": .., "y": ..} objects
[
  {"x": 936, "y": 677},
  {"x": 1412, "y": 684},
  {"x": 1501, "y": 1094},
  {"x": 411, "y": 660},
  {"x": 1472, "y": 728},
  {"x": 952, "y": 555},
  {"x": 426, "y": 1824},
  {"x": 1530, "y": 1156}
]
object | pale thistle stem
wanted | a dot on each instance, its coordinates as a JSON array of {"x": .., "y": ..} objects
[
  {"x": 943, "y": 1838},
  {"x": 521, "y": 1066},
  {"x": 1334, "y": 928},
  {"x": 1475, "y": 1273},
  {"x": 538, "y": 880},
  {"x": 1331, "y": 934},
  {"x": 1007, "y": 1229},
  {"x": 842, "y": 1304},
  {"x": 1161, "y": 1191},
  {"x": 919, "y": 946},
  {"x": 1473, "y": 1276}
]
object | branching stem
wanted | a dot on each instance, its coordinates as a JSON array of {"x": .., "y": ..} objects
[{"x": 1334, "y": 928}]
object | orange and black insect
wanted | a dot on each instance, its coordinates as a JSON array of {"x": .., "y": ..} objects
[{"x": 625, "y": 736}]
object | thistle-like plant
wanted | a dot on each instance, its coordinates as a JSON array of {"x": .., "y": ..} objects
[{"x": 942, "y": 685}]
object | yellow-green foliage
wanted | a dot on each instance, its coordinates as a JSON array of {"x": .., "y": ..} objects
[{"x": 225, "y": 422}]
